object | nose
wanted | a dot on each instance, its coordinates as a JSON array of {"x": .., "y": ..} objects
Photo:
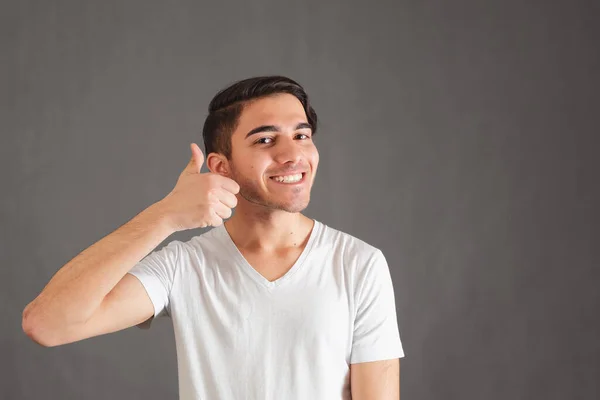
[{"x": 288, "y": 150}]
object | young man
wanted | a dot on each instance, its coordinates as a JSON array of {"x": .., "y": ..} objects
[{"x": 268, "y": 305}]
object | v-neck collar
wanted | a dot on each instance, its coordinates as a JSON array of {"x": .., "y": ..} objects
[{"x": 254, "y": 274}]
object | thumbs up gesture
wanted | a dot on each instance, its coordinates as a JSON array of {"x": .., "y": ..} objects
[{"x": 200, "y": 200}]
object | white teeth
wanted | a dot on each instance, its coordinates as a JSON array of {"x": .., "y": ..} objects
[{"x": 288, "y": 178}]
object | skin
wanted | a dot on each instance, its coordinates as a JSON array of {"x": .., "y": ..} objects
[
  {"x": 268, "y": 218},
  {"x": 376, "y": 380}
]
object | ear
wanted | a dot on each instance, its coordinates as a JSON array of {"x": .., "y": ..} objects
[{"x": 218, "y": 164}]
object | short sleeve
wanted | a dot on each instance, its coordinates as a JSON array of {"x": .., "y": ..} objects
[
  {"x": 156, "y": 273},
  {"x": 376, "y": 335}
]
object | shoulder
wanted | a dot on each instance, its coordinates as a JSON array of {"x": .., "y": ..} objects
[
  {"x": 207, "y": 239},
  {"x": 195, "y": 246},
  {"x": 363, "y": 263},
  {"x": 352, "y": 249}
]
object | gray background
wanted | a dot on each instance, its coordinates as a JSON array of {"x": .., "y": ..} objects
[{"x": 458, "y": 137}]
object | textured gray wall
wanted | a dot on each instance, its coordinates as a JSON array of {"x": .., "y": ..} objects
[{"x": 458, "y": 137}]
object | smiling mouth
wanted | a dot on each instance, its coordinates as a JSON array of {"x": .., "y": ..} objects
[{"x": 289, "y": 179}]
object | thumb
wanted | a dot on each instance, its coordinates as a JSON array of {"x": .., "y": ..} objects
[{"x": 197, "y": 159}]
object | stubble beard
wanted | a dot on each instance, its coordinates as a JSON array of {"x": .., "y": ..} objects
[{"x": 251, "y": 192}]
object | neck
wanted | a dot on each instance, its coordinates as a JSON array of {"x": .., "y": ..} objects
[{"x": 269, "y": 230}]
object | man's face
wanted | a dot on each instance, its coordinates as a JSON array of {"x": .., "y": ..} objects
[{"x": 272, "y": 139}]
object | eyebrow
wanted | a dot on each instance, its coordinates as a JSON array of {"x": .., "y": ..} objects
[{"x": 275, "y": 128}]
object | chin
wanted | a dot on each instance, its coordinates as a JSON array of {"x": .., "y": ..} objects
[
  {"x": 291, "y": 203},
  {"x": 294, "y": 207}
]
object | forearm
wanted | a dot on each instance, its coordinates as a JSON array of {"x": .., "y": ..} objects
[{"x": 76, "y": 291}]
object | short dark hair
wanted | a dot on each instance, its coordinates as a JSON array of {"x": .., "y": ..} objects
[{"x": 226, "y": 107}]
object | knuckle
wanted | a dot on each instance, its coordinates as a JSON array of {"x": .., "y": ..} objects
[{"x": 212, "y": 195}]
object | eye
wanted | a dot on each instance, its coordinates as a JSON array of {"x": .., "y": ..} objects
[{"x": 260, "y": 141}]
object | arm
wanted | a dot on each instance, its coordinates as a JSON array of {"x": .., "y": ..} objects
[
  {"x": 376, "y": 380},
  {"x": 376, "y": 344},
  {"x": 90, "y": 295}
]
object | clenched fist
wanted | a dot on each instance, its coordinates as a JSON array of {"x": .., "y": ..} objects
[{"x": 200, "y": 200}]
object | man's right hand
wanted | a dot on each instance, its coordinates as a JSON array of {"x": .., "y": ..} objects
[{"x": 199, "y": 199}]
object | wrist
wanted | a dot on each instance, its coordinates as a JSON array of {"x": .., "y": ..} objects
[{"x": 160, "y": 214}]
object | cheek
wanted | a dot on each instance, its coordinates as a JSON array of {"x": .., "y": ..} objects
[
  {"x": 315, "y": 158},
  {"x": 256, "y": 170}
]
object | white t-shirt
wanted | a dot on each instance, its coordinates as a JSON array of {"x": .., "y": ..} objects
[{"x": 240, "y": 336}]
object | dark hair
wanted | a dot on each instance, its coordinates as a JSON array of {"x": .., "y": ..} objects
[{"x": 226, "y": 107}]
